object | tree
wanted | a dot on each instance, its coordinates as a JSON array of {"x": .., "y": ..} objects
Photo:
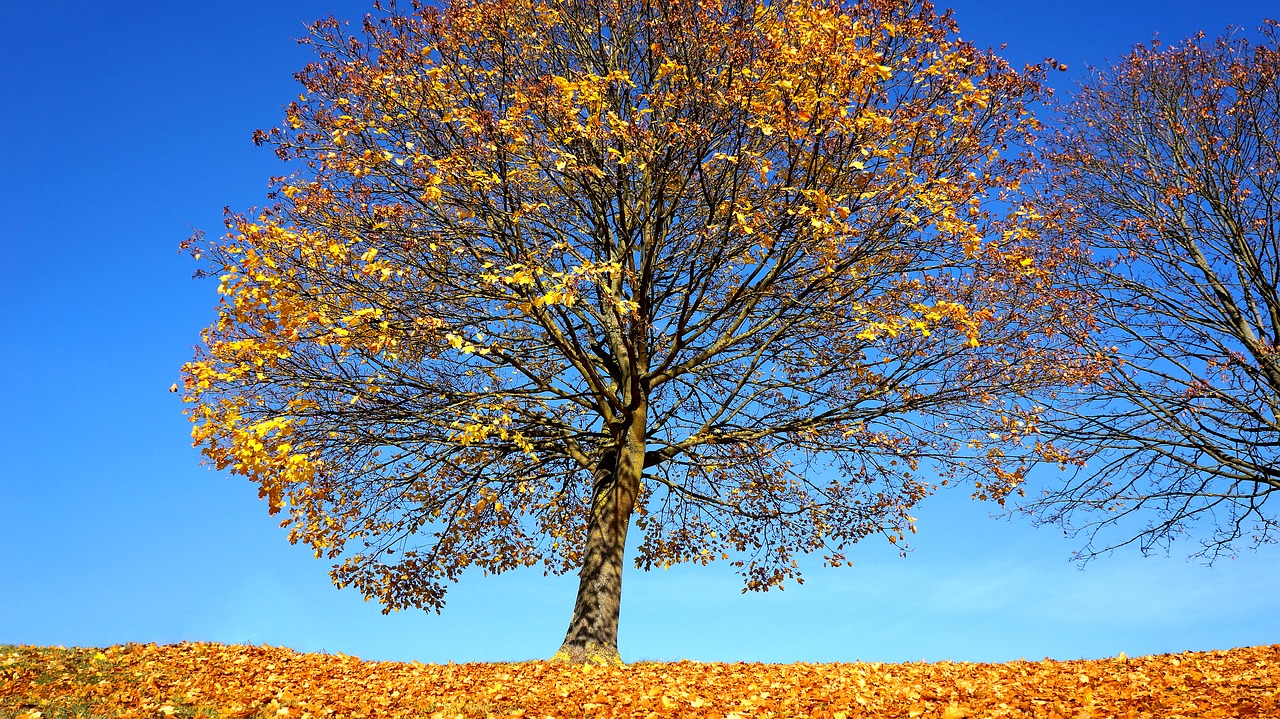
[
  {"x": 1166, "y": 167},
  {"x": 546, "y": 265}
]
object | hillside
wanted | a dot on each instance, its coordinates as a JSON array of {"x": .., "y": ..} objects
[{"x": 214, "y": 680}]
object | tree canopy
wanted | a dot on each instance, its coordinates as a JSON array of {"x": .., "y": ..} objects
[
  {"x": 745, "y": 270},
  {"x": 1165, "y": 168}
]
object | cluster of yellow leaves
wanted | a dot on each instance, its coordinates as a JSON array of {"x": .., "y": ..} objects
[{"x": 245, "y": 681}]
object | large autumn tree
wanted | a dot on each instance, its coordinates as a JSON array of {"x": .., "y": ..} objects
[
  {"x": 734, "y": 268},
  {"x": 1166, "y": 168}
]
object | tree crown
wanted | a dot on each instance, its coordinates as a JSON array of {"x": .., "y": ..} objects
[{"x": 768, "y": 239}]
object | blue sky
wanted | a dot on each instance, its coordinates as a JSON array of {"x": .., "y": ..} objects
[{"x": 126, "y": 125}]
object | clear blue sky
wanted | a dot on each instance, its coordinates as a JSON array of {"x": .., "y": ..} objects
[{"x": 125, "y": 125}]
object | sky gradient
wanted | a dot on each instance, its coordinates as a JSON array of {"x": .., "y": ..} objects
[{"x": 126, "y": 126}]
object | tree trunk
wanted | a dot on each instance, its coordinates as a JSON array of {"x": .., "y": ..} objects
[{"x": 593, "y": 631}]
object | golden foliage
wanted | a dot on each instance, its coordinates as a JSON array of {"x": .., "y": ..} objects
[
  {"x": 217, "y": 680},
  {"x": 748, "y": 245}
]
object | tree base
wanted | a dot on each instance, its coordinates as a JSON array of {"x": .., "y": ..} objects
[{"x": 593, "y": 653}]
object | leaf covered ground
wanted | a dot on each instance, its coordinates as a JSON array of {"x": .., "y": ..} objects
[{"x": 216, "y": 680}]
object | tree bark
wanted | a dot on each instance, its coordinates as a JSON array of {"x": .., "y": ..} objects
[{"x": 593, "y": 631}]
